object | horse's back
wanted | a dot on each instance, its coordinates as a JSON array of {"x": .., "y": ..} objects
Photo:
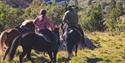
[
  {"x": 73, "y": 31},
  {"x": 32, "y": 37},
  {"x": 34, "y": 41},
  {"x": 73, "y": 36}
]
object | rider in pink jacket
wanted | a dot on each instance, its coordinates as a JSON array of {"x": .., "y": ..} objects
[
  {"x": 42, "y": 22},
  {"x": 44, "y": 26}
]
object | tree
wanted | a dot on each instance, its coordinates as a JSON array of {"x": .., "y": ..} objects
[
  {"x": 111, "y": 17},
  {"x": 76, "y": 3},
  {"x": 93, "y": 18},
  {"x": 9, "y": 17}
]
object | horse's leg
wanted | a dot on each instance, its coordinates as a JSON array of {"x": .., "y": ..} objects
[
  {"x": 69, "y": 49},
  {"x": 54, "y": 59},
  {"x": 29, "y": 56},
  {"x": 6, "y": 53},
  {"x": 76, "y": 49},
  {"x": 50, "y": 55},
  {"x": 22, "y": 55},
  {"x": 69, "y": 55}
]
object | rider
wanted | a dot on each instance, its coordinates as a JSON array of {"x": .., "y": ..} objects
[
  {"x": 43, "y": 24},
  {"x": 71, "y": 19}
]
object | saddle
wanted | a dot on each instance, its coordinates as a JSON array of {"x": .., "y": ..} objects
[
  {"x": 48, "y": 35},
  {"x": 69, "y": 30},
  {"x": 44, "y": 36}
]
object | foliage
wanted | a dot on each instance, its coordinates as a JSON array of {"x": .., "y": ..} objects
[
  {"x": 111, "y": 17},
  {"x": 99, "y": 17},
  {"x": 55, "y": 12},
  {"x": 93, "y": 18},
  {"x": 8, "y": 16}
]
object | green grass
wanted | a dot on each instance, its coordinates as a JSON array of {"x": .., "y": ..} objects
[{"x": 111, "y": 49}]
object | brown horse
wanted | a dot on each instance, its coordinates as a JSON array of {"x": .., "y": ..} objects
[
  {"x": 37, "y": 42},
  {"x": 8, "y": 35},
  {"x": 3, "y": 38}
]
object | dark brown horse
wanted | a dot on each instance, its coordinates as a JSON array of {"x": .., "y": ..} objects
[
  {"x": 38, "y": 42},
  {"x": 72, "y": 37},
  {"x": 7, "y": 36}
]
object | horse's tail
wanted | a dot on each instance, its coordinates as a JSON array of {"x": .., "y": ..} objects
[
  {"x": 13, "y": 47},
  {"x": 3, "y": 37}
]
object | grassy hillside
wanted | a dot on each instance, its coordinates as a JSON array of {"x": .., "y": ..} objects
[{"x": 110, "y": 49}]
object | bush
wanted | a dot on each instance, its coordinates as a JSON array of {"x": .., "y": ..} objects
[
  {"x": 54, "y": 11},
  {"x": 9, "y": 16},
  {"x": 92, "y": 20},
  {"x": 112, "y": 16}
]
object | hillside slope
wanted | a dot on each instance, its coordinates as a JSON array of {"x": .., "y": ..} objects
[{"x": 110, "y": 49}]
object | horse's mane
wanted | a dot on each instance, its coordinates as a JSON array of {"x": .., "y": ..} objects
[
  {"x": 7, "y": 30},
  {"x": 27, "y": 21}
]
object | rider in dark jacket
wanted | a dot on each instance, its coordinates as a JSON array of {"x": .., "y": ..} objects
[{"x": 71, "y": 18}]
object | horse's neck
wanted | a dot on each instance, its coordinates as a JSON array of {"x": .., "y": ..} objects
[{"x": 31, "y": 26}]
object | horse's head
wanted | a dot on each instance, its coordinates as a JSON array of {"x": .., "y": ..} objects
[
  {"x": 29, "y": 24},
  {"x": 56, "y": 30}
]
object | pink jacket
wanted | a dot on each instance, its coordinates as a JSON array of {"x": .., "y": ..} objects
[{"x": 42, "y": 23}]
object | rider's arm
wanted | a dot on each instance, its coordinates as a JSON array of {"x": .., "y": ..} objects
[{"x": 49, "y": 24}]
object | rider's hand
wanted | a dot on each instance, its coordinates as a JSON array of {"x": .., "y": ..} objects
[{"x": 51, "y": 29}]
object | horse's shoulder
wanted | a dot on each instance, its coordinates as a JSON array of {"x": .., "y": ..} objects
[{"x": 28, "y": 34}]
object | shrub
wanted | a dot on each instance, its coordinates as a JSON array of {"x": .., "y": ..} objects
[
  {"x": 9, "y": 16},
  {"x": 111, "y": 18},
  {"x": 54, "y": 11},
  {"x": 92, "y": 19}
]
